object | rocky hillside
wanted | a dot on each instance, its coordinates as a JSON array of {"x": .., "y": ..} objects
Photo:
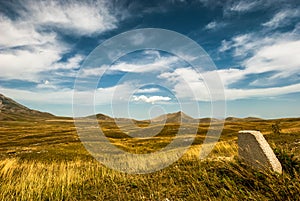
[{"x": 11, "y": 110}]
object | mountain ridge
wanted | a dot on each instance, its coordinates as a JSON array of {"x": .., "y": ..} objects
[{"x": 13, "y": 111}]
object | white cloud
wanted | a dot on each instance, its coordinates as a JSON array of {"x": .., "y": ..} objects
[
  {"x": 211, "y": 25},
  {"x": 244, "y": 43},
  {"x": 228, "y": 76},
  {"x": 282, "y": 18},
  {"x": 115, "y": 94},
  {"x": 186, "y": 56},
  {"x": 118, "y": 93},
  {"x": 21, "y": 33},
  {"x": 158, "y": 65},
  {"x": 87, "y": 72},
  {"x": 186, "y": 83},
  {"x": 64, "y": 96},
  {"x": 225, "y": 45},
  {"x": 150, "y": 99},
  {"x": 71, "y": 63},
  {"x": 214, "y": 25},
  {"x": 26, "y": 64},
  {"x": 81, "y": 18},
  {"x": 277, "y": 53},
  {"x": 137, "y": 39},
  {"x": 243, "y": 5},
  {"x": 282, "y": 57},
  {"x": 233, "y": 94},
  {"x": 29, "y": 44},
  {"x": 46, "y": 85},
  {"x": 148, "y": 90},
  {"x": 152, "y": 53}
]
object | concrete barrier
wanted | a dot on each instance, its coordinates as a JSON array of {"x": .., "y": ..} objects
[{"x": 254, "y": 150}]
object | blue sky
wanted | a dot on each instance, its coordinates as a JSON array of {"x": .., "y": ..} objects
[{"x": 255, "y": 46}]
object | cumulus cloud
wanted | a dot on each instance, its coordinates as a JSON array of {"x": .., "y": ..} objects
[
  {"x": 187, "y": 83},
  {"x": 20, "y": 33},
  {"x": 81, "y": 18},
  {"x": 26, "y": 64},
  {"x": 30, "y": 42},
  {"x": 46, "y": 85},
  {"x": 150, "y": 99}
]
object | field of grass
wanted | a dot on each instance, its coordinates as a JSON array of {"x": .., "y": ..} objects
[{"x": 45, "y": 160}]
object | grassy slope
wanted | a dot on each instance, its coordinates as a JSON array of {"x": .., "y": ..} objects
[{"x": 44, "y": 160}]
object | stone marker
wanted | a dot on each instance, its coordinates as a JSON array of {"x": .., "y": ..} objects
[{"x": 255, "y": 151}]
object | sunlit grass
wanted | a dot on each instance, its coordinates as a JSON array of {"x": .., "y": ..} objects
[{"x": 46, "y": 161}]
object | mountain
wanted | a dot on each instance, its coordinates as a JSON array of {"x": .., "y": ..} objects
[
  {"x": 247, "y": 119},
  {"x": 209, "y": 120},
  {"x": 170, "y": 118},
  {"x": 175, "y": 118},
  {"x": 233, "y": 119},
  {"x": 103, "y": 117},
  {"x": 11, "y": 110}
]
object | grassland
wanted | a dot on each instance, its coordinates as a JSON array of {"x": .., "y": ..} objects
[{"x": 45, "y": 160}]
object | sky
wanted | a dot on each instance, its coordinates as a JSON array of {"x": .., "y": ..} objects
[{"x": 254, "y": 47}]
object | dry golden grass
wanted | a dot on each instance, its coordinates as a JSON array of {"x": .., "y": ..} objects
[{"x": 46, "y": 161}]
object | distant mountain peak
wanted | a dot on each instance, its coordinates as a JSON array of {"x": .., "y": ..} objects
[{"x": 174, "y": 117}]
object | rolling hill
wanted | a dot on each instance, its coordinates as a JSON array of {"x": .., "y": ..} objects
[
  {"x": 13, "y": 111},
  {"x": 175, "y": 118}
]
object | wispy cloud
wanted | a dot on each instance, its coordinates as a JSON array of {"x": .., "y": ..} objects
[
  {"x": 282, "y": 18},
  {"x": 282, "y": 57},
  {"x": 190, "y": 84},
  {"x": 241, "y": 44},
  {"x": 214, "y": 25},
  {"x": 276, "y": 54},
  {"x": 234, "y": 94},
  {"x": 148, "y": 90},
  {"x": 157, "y": 65},
  {"x": 244, "y": 5}
]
